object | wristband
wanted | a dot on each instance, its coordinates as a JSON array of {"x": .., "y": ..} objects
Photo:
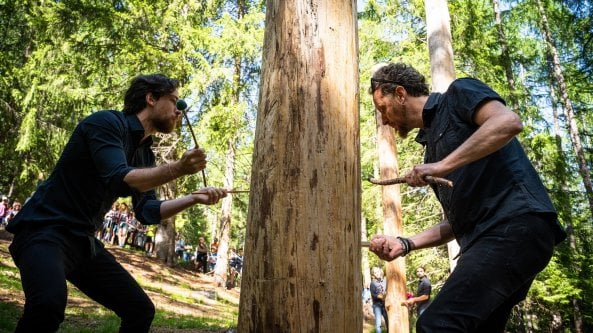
[{"x": 406, "y": 245}]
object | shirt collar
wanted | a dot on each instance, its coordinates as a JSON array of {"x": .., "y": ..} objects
[
  {"x": 430, "y": 108},
  {"x": 137, "y": 130},
  {"x": 428, "y": 113}
]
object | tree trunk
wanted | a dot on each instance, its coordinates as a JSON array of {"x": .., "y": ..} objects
[
  {"x": 225, "y": 220},
  {"x": 442, "y": 68},
  {"x": 302, "y": 250},
  {"x": 366, "y": 267},
  {"x": 505, "y": 57},
  {"x": 392, "y": 225},
  {"x": 440, "y": 49},
  {"x": 164, "y": 238},
  {"x": 566, "y": 214},
  {"x": 220, "y": 270},
  {"x": 572, "y": 124}
]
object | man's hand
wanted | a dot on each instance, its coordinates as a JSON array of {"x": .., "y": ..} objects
[
  {"x": 415, "y": 177},
  {"x": 192, "y": 161},
  {"x": 386, "y": 247},
  {"x": 210, "y": 195},
  {"x": 409, "y": 303}
]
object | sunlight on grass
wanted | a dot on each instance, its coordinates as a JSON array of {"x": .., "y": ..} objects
[
  {"x": 168, "y": 319},
  {"x": 10, "y": 278}
]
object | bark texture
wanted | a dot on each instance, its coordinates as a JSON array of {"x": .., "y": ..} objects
[
  {"x": 392, "y": 225},
  {"x": 302, "y": 252}
]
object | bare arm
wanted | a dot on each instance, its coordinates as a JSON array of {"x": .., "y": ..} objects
[
  {"x": 389, "y": 248},
  {"x": 497, "y": 126},
  {"x": 174, "y": 206},
  {"x": 411, "y": 301},
  {"x": 146, "y": 179}
]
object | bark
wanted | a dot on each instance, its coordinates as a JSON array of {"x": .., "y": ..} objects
[
  {"x": 440, "y": 48},
  {"x": 442, "y": 68},
  {"x": 165, "y": 150},
  {"x": 392, "y": 225},
  {"x": 505, "y": 57},
  {"x": 302, "y": 249},
  {"x": 164, "y": 238},
  {"x": 565, "y": 201},
  {"x": 366, "y": 267},
  {"x": 220, "y": 271}
]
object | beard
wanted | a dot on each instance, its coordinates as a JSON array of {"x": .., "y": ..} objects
[
  {"x": 165, "y": 125},
  {"x": 404, "y": 129}
]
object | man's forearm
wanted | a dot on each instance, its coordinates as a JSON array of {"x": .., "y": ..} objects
[
  {"x": 434, "y": 236},
  {"x": 497, "y": 126},
  {"x": 172, "y": 207},
  {"x": 146, "y": 179}
]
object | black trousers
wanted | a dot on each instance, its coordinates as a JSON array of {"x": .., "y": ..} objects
[
  {"x": 47, "y": 257},
  {"x": 493, "y": 275}
]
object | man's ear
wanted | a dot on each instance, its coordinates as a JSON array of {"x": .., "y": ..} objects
[
  {"x": 150, "y": 100},
  {"x": 400, "y": 93}
]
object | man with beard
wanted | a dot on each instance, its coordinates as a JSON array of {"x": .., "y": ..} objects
[
  {"x": 498, "y": 210},
  {"x": 422, "y": 298},
  {"x": 108, "y": 156}
]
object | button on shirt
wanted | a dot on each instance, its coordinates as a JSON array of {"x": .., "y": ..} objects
[
  {"x": 88, "y": 178},
  {"x": 487, "y": 191}
]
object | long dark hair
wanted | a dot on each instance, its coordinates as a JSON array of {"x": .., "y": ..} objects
[{"x": 157, "y": 84}]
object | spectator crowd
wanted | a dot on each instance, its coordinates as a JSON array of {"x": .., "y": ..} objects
[
  {"x": 121, "y": 228},
  {"x": 8, "y": 210}
]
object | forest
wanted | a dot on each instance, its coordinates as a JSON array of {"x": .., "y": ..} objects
[{"x": 63, "y": 60}]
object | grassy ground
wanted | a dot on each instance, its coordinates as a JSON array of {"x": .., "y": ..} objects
[{"x": 185, "y": 300}]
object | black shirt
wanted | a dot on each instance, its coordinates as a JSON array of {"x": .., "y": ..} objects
[
  {"x": 378, "y": 287},
  {"x": 89, "y": 175},
  {"x": 487, "y": 191},
  {"x": 424, "y": 288}
]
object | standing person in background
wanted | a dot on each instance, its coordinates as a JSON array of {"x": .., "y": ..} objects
[
  {"x": 378, "y": 290},
  {"x": 123, "y": 226},
  {"x": 498, "y": 210},
  {"x": 108, "y": 156},
  {"x": 11, "y": 213},
  {"x": 3, "y": 210},
  {"x": 422, "y": 298},
  {"x": 149, "y": 241},
  {"x": 120, "y": 223},
  {"x": 110, "y": 220},
  {"x": 179, "y": 247},
  {"x": 213, "y": 254},
  {"x": 201, "y": 260}
]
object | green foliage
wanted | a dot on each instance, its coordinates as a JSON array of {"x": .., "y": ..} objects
[
  {"x": 394, "y": 31},
  {"x": 59, "y": 64}
]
